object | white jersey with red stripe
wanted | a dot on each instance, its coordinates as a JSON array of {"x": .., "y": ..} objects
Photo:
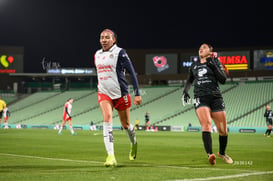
[
  {"x": 5, "y": 112},
  {"x": 111, "y": 66},
  {"x": 68, "y": 108}
]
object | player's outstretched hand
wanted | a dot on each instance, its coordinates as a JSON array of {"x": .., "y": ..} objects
[
  {"x": 137, "y": 100},
  {"x": 186, "y": 97}
]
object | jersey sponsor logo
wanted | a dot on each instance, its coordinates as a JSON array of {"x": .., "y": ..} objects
[
  {"x": 105, "y": 78},
  {"x": 104, "y": 68},
  {"x": 203, "y": 81}
]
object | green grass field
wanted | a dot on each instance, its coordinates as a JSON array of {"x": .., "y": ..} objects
[{"x": 40, "y": 154}]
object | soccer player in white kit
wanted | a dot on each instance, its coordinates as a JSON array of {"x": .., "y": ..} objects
[
  {"x": 6, "y": 115},
  {"x": 111, "y": 62},
  {"x": 67, "y": 116}
]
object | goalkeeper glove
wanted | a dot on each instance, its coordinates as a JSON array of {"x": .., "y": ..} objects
[{"x": 186, "y": 96}]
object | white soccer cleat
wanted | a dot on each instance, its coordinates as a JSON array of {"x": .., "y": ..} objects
[{"x": 226, "y": 158}]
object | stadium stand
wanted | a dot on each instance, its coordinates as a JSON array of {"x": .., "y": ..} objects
[
  {"x": 183, "y": 115},
  {"x": 245, "y": 104},
  {"x": 8, "y": 96},
  {"x": 32, "y": 99},
  {"x": 45, "y": 110},
  {"x": 248, "y": 103}
]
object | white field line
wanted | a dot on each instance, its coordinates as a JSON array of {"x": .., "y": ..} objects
[
  {"x": 53, "y": 159},
  {"x": 98, "y": 162}
]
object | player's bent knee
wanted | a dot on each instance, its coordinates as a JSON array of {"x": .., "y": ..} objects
[
  {"x": 206, "y": 128},
  {"x": 107, "y": 118}
]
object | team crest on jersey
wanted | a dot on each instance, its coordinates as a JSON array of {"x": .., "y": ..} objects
[
  {"x": 202, "y": 72},
  {"x": 111, "y": 56}
]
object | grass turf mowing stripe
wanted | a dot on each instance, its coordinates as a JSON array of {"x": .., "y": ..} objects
[
  {"x": 227, "y": 176},
  {"x": 119, "y": 164}
]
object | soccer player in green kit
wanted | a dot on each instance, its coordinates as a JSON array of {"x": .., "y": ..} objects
[{"x": 205, "y": 74}]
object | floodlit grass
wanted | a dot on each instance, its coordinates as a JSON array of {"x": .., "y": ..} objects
[{"x": 40, "y": 154}]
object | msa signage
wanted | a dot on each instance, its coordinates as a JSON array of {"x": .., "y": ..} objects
[{"x": 235, "y": 60}]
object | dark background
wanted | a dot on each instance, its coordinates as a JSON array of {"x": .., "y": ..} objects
[{"x": 67, "y": 31}]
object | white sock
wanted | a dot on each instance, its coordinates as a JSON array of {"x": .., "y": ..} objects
[
  {"x": 131, "y": 134},
  {"x": 108, "y": 137},
  {"x": 60, "y": 130},
  {"x": 71, "y": 130}
]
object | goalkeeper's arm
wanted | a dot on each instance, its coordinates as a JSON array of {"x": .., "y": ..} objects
[
  {"x": 187, "y": 87},
  {"x": 217, "y": 68}
]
